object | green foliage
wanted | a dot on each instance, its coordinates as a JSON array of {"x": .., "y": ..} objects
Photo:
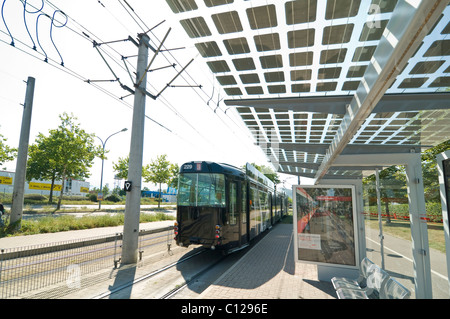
[
  {"x": 268, "y": 172},
  {"x": 67, "y": 152},
  {"x": 113, "y": 198},
  {"x": 7, "y": 153},
  {"x": 160, "y": 171},
  {"x": 93, "y": 197},
  {"x": 35, "y": 197},
  {"x": 401, "y": 211},
  {"x": 121, "y": 168},
  {"x": 52, "y": 224},
  {"x": 393, "y": 179}
]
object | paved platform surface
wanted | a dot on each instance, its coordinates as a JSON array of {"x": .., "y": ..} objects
[{"x": 267, "y": 271}]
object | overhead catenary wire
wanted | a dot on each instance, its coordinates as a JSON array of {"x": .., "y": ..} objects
[
  {"x": 109, "y": 52},
  {"x": 181, "y": 75},
  {"x": 74, "y": 74},
  {"x": 87, "y": 34}
]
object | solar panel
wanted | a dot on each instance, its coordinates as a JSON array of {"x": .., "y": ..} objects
[{"x": 291, "y": 68}]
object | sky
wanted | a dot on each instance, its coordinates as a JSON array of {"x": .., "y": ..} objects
[{"x": 185, "y": 123}]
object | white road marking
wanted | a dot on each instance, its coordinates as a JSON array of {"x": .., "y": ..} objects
[{"x": 409, "y": 259}]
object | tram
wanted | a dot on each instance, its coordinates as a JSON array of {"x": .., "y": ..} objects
[{"x": 220, "y": 206}]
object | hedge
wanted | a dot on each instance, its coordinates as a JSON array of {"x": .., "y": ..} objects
[{"x": 401, "y": 211}]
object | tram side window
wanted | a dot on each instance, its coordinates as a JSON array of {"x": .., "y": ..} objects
[
  {"x": 244, "y": 204},
  {"x": 233, "y": 203},
  {"x": 254, "y": 202}
]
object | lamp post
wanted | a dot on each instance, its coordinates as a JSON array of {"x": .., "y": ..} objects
[{"x": 103, "y": 159}]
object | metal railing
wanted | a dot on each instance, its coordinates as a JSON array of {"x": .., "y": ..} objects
[{"x": 31, "y": 269}]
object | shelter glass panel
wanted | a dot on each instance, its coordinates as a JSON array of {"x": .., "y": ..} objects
[{"x": 446, "y": 167}]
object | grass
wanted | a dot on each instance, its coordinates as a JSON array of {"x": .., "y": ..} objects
[
  {"x": 53, "y": 224},
  {"x": 402, "y": 229}
]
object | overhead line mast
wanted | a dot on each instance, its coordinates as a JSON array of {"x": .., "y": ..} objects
[{"x": 139, "y": 90}]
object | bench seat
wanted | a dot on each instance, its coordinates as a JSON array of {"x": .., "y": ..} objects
[
  {"x": 376, "y": 280},
  {"x": 360, "y": 282}
]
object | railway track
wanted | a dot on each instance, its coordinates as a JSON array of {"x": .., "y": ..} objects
[
  {"x": 148, "y": 276},
  {"x": 178, "y": 289},
  {"x": 166, "y": 282}
]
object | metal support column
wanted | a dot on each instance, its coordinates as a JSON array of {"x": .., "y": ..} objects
[
  {"x": 419, "y": 231},
  {"x": 380, "y": 225},
  {"x": 416, "y": 201},
  {"x": 133, "y": 201},
  {"x": 444, "y": 182}
]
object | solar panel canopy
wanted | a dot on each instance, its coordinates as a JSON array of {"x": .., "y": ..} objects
[{"x": 315, "y": 79}]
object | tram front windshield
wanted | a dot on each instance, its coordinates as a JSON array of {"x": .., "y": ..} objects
[{"x": 201, "y": 189}]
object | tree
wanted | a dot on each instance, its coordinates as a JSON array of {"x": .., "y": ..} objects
[
  {"x": 430, "y": 171},
  {"x": 41, "y": 164},
  {"x": 121, "y": 168},
  {"x": 6, "y": 153},
  {"x": 393, "y": 179},
  {"x": 67, "y": 152},
  {"x": 159, "y": 171},
  {"x": 175, "y": 169}
]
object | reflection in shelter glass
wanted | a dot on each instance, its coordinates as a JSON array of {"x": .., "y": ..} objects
[{"x": 325, "y": 230}]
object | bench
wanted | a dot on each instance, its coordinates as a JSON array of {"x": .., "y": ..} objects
[
  {"x": 360, "y": 282},
  {"x": 392, "y": 289},
  {"x": 379, "y": 285}
]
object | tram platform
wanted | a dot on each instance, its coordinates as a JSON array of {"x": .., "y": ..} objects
[{"x": 267, "y": 271}]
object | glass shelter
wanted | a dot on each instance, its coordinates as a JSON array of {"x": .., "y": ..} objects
[{"x": 334, "y": 90}]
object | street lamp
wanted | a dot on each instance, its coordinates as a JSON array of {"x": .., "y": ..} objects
[{"x": 103, "y": 159}]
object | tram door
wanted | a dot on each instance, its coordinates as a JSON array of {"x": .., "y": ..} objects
[{"x": 234, "y": 218}]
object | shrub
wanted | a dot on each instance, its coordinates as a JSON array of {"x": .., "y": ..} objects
[
  {"x": 35, "y": 197},
  {"x": 401, "y": 211},
  {"x": 113, "y": 198}
]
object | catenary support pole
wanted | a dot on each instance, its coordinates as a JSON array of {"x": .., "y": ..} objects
[
  {"x": 21, "y": 164},
  {"x": 132, "y": 206}
]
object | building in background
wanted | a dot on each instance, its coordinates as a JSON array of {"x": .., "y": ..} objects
[
  {"x": 71, "y": 186},
  {"x": 168, "y": 196}
]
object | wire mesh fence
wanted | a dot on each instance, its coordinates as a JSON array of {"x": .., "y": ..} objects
[{"x": 28, "y": 269}]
